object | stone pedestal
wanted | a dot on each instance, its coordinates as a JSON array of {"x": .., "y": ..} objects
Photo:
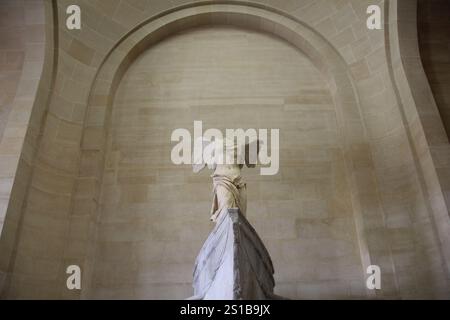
[{"x": 233, "y": 263}]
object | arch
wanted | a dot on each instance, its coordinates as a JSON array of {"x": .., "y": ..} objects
[{"x": 249, "y": 16}]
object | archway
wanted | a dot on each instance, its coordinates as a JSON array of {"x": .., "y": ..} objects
[{"x": 350, "y": 129}]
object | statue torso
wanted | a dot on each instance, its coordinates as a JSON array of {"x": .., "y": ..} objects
[{"x": 230, "y": 170}]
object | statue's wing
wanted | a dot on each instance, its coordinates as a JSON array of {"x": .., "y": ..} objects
[
  {"x": 251, "y": 153},
  {"x": 198, "y": 163}
]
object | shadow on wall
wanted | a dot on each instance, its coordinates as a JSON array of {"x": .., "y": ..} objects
[{"x": 434, "y": 43}]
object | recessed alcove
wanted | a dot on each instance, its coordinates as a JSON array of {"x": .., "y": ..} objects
[{"x": 154, "y": 214}]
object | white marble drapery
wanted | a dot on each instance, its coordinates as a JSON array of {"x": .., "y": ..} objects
[{"x": 233, "y": 263}]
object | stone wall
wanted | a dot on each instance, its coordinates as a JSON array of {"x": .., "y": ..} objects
[
  {"x": 426, "y": 133},
  {"x": 27, "y": 45},
  {"x": 393, "y": 154},
  {"x": 156, "y": 214}
]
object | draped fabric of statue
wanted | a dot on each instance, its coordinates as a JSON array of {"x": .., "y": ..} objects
[
  {"x": 233, "y": 262},
  {"x": 228, "y": 192}
]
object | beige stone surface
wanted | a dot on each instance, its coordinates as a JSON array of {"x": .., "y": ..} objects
[
  {"x": 365, "y": 181},
  {"x": 228, "y": 78}
]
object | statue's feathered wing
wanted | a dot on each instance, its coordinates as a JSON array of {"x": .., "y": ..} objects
[
  {"x": 209, "y": 149},
  {"x": 198, "y": 161}
]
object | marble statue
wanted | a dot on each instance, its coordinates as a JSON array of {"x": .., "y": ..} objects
[
  {"x": 229, "y": 189},
  {"x": 233, "y": 263}
]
